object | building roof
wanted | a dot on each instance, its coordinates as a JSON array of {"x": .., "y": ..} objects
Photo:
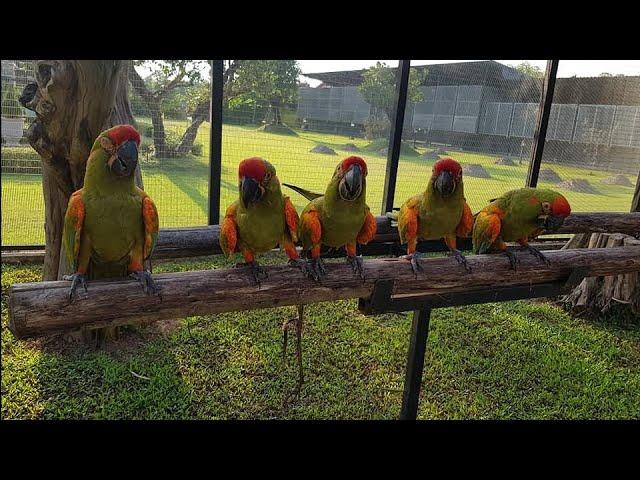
[{"x": 484, "y": 72}]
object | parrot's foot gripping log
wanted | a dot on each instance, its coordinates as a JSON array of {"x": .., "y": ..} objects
[
  {"x": 455, "y": 253},
  {"x": 306, "y": 267},
  {"x": 513, "y": 260},
  {"x": 357, "y": 265},
  {"x": 538, "y": 254},
  {"x": 415, "y": 261},
  {"x": 76, "y": 279},
  {"x": 317, "y": 265},
  {"x": 258, "y": 272},
  {"x": 144, "y": 277}
]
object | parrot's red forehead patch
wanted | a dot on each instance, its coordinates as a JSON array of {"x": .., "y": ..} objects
[
  {"x": 560, "y": 206},
  {"x": 122, "y": 133},
  {"x": 448, "y": 164},
  {"x": 347, "y": 162},
  {"x": 253, "y": 167}
]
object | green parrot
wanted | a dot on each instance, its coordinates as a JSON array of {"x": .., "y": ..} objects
[
  {"x": 441, "y": 211},
  {"x": 261, "y": 219},
  {"x": 519, "y": 215},
  {"x": 338, "y": 218},
  {"x": 111, "y": 226}
]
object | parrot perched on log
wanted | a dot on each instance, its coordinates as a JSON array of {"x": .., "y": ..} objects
[
  {"x": 519, "y": 215},
  {"x": 111, "y": 225},
  {"x": 339, "y": 217},
  {"x": 261, "y": 219},
  {"x": 440, "y": 212}
]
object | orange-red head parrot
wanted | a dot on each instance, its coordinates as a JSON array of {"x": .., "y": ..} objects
[
  {"x": 441, "y": 211},
  {"x": 261, "y": 218},
  {"x": 340, "y": 217},
  {"x": 519, "y": 215},
  {"x": 111, "y": 226}
]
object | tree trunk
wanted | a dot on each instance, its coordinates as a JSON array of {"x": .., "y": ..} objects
[
  {"x": 72, "y": 100},
  {"x": 599, "y": 295},
  {"x": 200, "y": 115}
]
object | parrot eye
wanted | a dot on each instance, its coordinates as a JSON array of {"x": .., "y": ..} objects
[
  {"x": 267, "y": 177},
  {"x": 546, "y": 207}
]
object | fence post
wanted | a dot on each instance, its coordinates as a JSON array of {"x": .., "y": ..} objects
[
  {"x": 540, "y": 134},
  {"x": 395, "y": 134},
  {"x": 215, "y": 147}
]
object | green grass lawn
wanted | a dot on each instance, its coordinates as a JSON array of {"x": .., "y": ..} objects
[
  {"x": 179, "y": 187},
  {"x": 515, "y": 360}
]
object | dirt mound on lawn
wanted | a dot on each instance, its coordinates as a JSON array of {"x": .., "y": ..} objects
[
  {"x": 323, "y": 149},
  {"x": 508, "y": 161},
  {"x": 619, "y": 179},
  {"x": 578, "y": 185},
  {"x": 548, "y": 175},
  {"x": 475, "y": 170}
]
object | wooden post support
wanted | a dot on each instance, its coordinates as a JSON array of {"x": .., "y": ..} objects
[{"x": 43, "y": 307}]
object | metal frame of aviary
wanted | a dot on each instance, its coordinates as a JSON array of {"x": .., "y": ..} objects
[{"x": 395, "y": 134}]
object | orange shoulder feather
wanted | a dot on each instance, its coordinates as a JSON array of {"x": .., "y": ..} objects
[
  {"x": 291, "y": 218},
  {"x": 151, "y": 225},
  {"x": 229, "y": 232},
  {"x": 466, "y": 222},
  {"x": 368, "y": 230}
]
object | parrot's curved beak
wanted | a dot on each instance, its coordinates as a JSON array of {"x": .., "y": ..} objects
[
  {"x": 250, "y": 190},
  {"x": 351, "y": 184},
  {"x": 553, "y": 223},
  {"x": 126, "y": 159},
  {"x": 445, "y": 184}
]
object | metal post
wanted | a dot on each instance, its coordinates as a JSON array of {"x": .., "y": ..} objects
[
  {"x": 215, "y": 148},
  {"x": 395, "y": 135},
  {"x": 543, "y": 121},
  {"x": 415, "y": 364}
]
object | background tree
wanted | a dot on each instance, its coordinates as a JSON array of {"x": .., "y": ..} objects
[
  {"x": 530, "y": 70},
  {"x": 378, "y": 87},
  {"x": 167, "y": 79},
  {"x": 74, "y": 101},
  {"x": 271, "y": 82}
]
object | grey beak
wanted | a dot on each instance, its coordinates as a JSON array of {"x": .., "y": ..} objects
[
  {"x": 126, "y": 159},
  {"x": 250, "y": 190},
  {"x": 351, "y": 184},
  {"x": 445, "y": 183}
]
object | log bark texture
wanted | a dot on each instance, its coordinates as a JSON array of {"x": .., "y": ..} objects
[{"x": 44, "y": 308}]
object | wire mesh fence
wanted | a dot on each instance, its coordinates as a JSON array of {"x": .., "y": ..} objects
[
  {"x": 592, "y": 147},
  {"x": 306, "y": 136},
  {"x": 481, "y": 113}
]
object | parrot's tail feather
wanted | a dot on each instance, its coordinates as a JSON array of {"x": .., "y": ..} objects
[{"x": 305, "y": 193}]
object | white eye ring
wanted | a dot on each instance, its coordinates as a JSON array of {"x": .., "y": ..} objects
[{"x": 546, "y": 207}]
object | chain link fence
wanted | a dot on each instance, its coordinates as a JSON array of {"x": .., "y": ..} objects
[{"x": 481, "y": 113}]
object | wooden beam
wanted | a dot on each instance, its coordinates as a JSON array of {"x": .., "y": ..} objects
[{"x": 44, "y": 308}]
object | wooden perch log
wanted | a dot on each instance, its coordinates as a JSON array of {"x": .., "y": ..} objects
[
  {"x": 183, "y": 242},
  {"x": 44, "y": 308}
]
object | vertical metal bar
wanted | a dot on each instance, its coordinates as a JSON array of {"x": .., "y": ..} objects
[
  {"x": 415, "y": 364},
  {"x": 215, "y": 147},
  {"x": 395, "y": 135},
  {"x": 540, "y": 134}
]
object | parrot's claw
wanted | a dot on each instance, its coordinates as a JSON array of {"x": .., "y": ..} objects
[
  {"x": 318, "y": 267},
  {"x": 144, "y": 277},
  {"x": 455, "y": 253},
  {"x": 76, "y": 278},
  {"x": 306, "y": 267},
  {"x": 538, "y": 254},
  {"x": 258, "y": 272},
  {"x": 513, "y": 260},
  {"x": 415, "y": 263},
  {"x": 357, "y": 265}
]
